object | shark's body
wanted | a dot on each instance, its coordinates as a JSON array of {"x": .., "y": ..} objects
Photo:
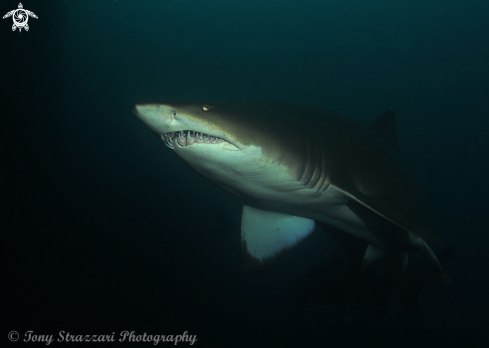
[{"x": 294, "y": 165}]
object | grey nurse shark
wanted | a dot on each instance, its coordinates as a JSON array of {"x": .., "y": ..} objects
[{"x": 295, "y": 165}]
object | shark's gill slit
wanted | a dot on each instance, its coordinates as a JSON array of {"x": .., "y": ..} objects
[{"x": 187, "y": 137}]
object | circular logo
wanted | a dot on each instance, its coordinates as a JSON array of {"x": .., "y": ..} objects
[
  {"x": 13, "y": 336},
  {"x": 20, "y": 17}
]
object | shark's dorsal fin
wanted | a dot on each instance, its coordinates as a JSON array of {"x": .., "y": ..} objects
[
  {"x": 385, "y": 125},
  {"x": 266, "y": 235}
]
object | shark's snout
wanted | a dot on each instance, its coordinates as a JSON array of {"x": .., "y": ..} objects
[{"x": 157, "y": 118}]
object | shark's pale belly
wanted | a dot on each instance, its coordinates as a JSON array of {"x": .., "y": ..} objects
[{"x": 268, "y": 186}]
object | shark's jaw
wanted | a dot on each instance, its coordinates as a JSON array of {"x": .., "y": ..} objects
[
  {"x": 177, "y": 130},
  {"x": 186, "y": 138},
  {"x": 212, "y": 145}
]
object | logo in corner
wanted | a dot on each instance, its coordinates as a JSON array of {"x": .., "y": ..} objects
[{"x": 20, "y": 18}]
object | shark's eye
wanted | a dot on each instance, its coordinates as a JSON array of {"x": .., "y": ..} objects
[
  {"x": 174, "y": 113},
  {"x": 207, "y": 107}
]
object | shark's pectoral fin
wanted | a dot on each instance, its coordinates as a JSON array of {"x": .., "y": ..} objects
[
  {"x": 265, "y": 236},
  {"x": 392, "y": 211}
]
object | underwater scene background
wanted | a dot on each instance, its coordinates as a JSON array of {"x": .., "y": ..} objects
[{"x": 105, "y": 230}]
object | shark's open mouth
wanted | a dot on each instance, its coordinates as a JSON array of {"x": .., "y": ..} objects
[{"x": 186, "y": 138}]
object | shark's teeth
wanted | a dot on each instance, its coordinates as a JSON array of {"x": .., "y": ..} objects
[
  {"x": 168, "y": 140},
  {"x": 185, "y": 138}
]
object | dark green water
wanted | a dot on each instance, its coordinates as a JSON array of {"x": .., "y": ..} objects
[{"x": 105, "y": 230}]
